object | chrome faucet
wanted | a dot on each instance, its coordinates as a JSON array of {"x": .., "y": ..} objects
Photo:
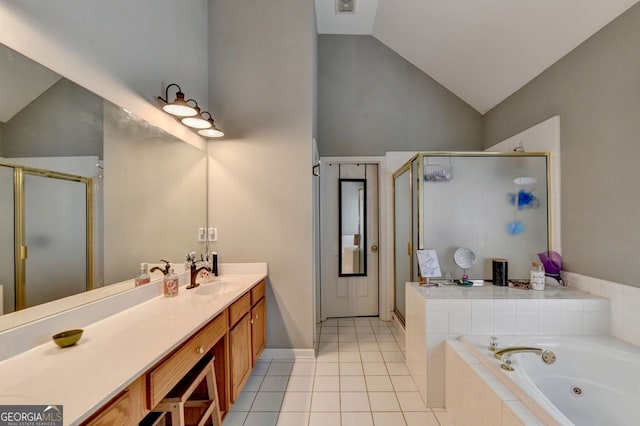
[{"x": 516, "y": 349}]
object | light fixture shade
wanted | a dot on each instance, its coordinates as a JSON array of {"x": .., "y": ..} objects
[
  {"x": 196, "y": 122},
  {"x": 179, "y": 107},
  {"x": 211, "y": 133}
]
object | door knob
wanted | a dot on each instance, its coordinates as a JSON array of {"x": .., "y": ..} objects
[{"x": 374, "y": 248}]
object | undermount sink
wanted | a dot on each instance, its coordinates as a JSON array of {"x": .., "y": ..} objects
[{"x": 217, "y": 287}]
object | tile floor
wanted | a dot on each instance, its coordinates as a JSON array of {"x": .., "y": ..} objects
[{"x": 358, "y": 378}]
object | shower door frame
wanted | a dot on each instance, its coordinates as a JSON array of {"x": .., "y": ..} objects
[{"x": 20, "y": 248}]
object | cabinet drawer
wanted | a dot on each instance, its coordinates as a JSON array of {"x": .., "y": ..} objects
[
  {"x": 170, "y": 371},
  {"x": 257, "y": 293},
  {"x": 239, "y": 308}
]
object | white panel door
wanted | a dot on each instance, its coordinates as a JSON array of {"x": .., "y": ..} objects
[{"x": 349, "y": 295}]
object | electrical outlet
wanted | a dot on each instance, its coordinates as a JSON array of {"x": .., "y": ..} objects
[
  {"x": 213, "y": 234},
  {"x": 202, "y": 234}
]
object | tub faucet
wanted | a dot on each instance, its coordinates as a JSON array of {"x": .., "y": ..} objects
[{"x": 504, "y": 355}]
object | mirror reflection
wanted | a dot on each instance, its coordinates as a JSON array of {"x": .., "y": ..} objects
[
  {"x": 353, "y": 238},
  {"x": 88, "y": 190}
]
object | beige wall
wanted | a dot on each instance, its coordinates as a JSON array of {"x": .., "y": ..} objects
[
  {"x": 261, "y": 91},
  {"x": 595, "y": 90}
]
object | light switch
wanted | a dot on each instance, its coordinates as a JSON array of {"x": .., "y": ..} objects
[
  {"x": 213, "y": 234},
  {"x": 202, "y": 234}
]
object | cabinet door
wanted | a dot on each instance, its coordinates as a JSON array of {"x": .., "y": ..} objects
[
  {"x": 258, "y": 329},
  {"x": 240, "y": 355}
]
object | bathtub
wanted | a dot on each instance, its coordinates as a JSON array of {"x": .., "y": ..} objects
[{"x": 595, "y": 380}]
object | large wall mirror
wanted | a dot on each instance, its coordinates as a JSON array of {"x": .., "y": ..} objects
[
  {"x": 88, "y": 190},
  {"x": 353, "y": 227}
]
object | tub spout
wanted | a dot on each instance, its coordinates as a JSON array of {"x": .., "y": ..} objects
[{"x": 516, "y": 349}]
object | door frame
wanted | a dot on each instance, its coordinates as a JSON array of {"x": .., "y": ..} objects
[{"x": 384, "y": 241}]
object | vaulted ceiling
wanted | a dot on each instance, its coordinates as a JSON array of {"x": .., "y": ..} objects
[{"x": 483, "y": 51}]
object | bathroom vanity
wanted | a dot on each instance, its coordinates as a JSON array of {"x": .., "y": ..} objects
[{"x": 126, "y": 363}]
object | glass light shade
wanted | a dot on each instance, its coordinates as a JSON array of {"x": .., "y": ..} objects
[
  {"x": 196, "y": 122},
  {"x": 213, "y": 132},
  {"x": 180, "y": 107},
  {"x": 179, "y": 110}
]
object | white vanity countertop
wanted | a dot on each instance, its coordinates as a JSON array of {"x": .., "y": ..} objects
[
  {"x": 112, "y": 352},
  {"x": 490, "y": 291}
]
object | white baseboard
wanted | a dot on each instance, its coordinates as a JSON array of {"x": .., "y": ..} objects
[{"x": 268, "y": 354}]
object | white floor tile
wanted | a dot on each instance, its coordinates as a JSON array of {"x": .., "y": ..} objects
[
  {"x": 397, "y": 369},
  {"x": 371, "y": 356},
  {"x": 351, "y": 369},
  {"x": 325, "y": 401},
  {"x": 395, "y": 356},
  {"x": 343, "y": 338},
  {"x": 356, "y": 419},
  {"x": 267, "y": 401},
  {"x": 388, "y": 419},
  {"x": 349, "y": 347},
  {"x": 369, "y": 347},
  {"x": 389, "y": 346},
  {"x": 375, "y": 369},
  {"x": 329, "y": 330},
  {"x": 260, "y": 369},
  {"x": 292, "y": 419},
  {"x": 349, "y": 357},
  {"x": 444, "y": 418},
  {"x": 347, "y": 330},
  {"x": 234, "y": 418},
  {"x": 327, "y": 356},
  {"x": 366, "y": 338},
  {"x": 353, "y": 384},
  {"x": 300, "y": 384},
  {"x": 379, "y": 383},
  {"x": 403, "y": 384},
  {"x": 244, "y": 401},
  {"x": 256, "y": 418},
  {"x": 384, "y": 401},
  {"x": 326, "y": 384},
  {"x": 345, "y": 322},
  {"x": 296, "y": 401},
  {"x": 354, "y": 401},
  {"x": 303, "y": 369},
  {"x": 324, "y": 338},
  {"x": 327, "y": 369},
  {"x": 385, "y": 338},
  {"x": 253, "y": 383},
  {"x": 274, "y": 384},
  {"x": 324, "y": 419},
  {"x": 410, "y": 401},
  {"x": 280, "y": 368},
  {"x": 421, "y": 419},
  {"x": 332, "y": 322},
  {"x": 327, "y": 347}
]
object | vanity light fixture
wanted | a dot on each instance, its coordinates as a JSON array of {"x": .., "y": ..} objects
[
  {"x": 189, "y": 114},
  {"x": 179, "y": 107},
  {"x": 211, "y": 132}
]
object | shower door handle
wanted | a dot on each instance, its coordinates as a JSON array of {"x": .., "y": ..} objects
[{"x": 374, "y": 248}]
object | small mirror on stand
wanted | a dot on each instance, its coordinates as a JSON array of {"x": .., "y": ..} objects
[
  {"x": 429, "y": 267},
  {"x": 465, "y": 258}
]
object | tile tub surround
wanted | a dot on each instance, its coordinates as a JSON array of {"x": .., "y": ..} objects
[
  {"x": 625, "y": 303},
  {"x": 435, "y": 315},
  {"x": 476, "y": 397},
  {"x": 113, "y": 352}
]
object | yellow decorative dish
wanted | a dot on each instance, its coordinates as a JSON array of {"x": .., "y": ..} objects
[{"x": 67, "y": 338}]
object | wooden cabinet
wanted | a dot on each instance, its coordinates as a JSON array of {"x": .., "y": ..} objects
[
  {"x": 236, "y": 337},
  {"x": 169, "y": 372},
  {"x": 239, "y": 355},
  {"x": 258, "y": 329}
]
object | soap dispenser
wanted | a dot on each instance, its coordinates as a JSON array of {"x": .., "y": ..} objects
[
  {"x": 536, "y": 281},
  {"x": 144, "y": 277},
  {"x": 171, "y": 284}
]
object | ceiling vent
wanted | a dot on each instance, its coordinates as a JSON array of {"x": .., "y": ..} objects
[{"x": 345, "y": 6}]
